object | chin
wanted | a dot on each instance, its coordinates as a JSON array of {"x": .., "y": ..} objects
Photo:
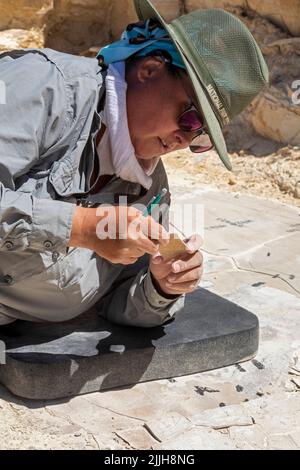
[
  {"x": 147, "y": 155},
  {"x": 146, "y": 152}
]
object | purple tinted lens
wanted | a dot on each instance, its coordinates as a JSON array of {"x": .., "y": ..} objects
[
  {"x": 198, "y": 149},
  {"x": 201, "y": 143},
  {"x": 190, "y": 121}
]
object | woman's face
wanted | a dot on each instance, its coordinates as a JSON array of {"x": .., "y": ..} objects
[{"x": 155, "y": 99}]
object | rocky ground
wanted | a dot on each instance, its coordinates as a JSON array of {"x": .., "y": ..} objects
[
  {"x": 250, "y": 259},
  {"x": 261, "y": 396},
  {"x": 274, "y": 176}
]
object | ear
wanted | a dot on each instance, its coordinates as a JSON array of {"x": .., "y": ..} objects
[{"x": 150, "y": 68}]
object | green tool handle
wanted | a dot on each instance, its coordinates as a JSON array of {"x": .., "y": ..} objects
[{"x": 154, "y": 200}]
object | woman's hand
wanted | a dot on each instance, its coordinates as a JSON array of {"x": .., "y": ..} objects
[
  {"x": 119, "y": 234},
  {"x": 179, "y": 275}
]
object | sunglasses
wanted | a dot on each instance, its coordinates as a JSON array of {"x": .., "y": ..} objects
[{"x": 190, "y": 121}]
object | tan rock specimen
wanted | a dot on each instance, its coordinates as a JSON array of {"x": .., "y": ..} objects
[{"x": 174, "y": 248}]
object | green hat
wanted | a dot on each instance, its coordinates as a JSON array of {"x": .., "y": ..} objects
[{"x": 223, "y": 61}]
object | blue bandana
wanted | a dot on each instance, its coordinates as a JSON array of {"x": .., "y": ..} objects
[{"x": 141, "y": 39}]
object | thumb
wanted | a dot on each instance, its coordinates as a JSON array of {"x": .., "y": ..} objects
[{"x": 194, "y": 243}]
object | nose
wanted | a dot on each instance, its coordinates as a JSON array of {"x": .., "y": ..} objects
[{"x": 180, "y": 139}]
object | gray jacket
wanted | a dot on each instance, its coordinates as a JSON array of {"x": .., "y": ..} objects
[{"x": 47, "y": 155}]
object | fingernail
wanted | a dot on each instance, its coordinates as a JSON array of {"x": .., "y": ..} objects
[
  {"x": 176, "y": 267},
  {"x": 190, "y": 247},
  {"x": 171, "y": 278}
]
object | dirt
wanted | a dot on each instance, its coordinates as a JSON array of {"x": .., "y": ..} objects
[{"x": 274, "y": 176}]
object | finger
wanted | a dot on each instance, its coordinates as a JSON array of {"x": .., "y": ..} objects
[
  {"x": 154, "y": 230},
  {"x": 193, "y": 275},
  {"x": 134, "y": 213},
  {"x": 132, "y": 251},
  {"x": 192, "y": 261},
  {"x": 194, "y": 243},
  {"x": 148, "y": 246},
  {"x": 139, "y": 253},
  {"x": 145, "y": 228},
  {"x": 141, "y": 244}
]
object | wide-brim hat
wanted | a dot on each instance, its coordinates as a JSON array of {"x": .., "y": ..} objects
[{"x": 223, "y": 61}]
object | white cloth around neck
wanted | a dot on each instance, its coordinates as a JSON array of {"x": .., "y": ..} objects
[{"x": 115, "y": 150}]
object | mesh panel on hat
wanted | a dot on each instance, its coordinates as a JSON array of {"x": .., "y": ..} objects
[{"x": 230, "y": 54}]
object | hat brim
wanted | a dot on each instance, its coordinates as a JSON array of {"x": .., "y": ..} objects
[{"x": 145, "y": 10}]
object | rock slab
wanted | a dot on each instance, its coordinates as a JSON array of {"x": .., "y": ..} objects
[{"x": 88, "y": 354}]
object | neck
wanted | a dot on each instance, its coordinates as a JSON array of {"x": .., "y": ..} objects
[{"x": 147, "y": 165}]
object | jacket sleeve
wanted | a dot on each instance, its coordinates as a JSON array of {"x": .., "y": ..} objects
[
  {"x": 133, "y": 299},
  {"x": 33, "y": 117}
]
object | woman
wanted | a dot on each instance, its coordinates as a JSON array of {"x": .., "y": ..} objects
[{"x": 75, "y": 137}]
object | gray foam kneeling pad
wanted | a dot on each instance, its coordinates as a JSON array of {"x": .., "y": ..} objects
[{"x": 87, "y": 354}]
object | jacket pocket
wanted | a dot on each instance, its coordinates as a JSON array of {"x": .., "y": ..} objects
[
  {"x": 79, "y": 277},
  {"x": 15, "y": 267}
]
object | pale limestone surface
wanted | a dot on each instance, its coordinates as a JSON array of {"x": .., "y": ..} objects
[
  {"x": 237, "y": 267},
  {"x": 261, "y": 396}
]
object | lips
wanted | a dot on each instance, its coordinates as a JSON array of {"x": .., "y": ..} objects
[{"x": 163, "y": 144}]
